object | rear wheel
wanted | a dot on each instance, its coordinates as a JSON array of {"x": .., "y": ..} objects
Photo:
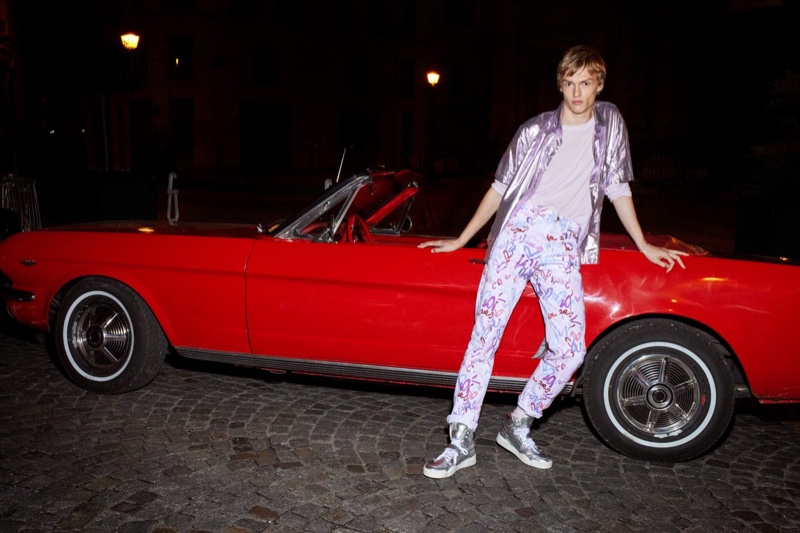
[
  {"x": 658, "y": 390},
  {"x": 107, "y": 338}
]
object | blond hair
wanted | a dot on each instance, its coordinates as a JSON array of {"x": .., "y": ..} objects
[{"x": 579, "y": 57}]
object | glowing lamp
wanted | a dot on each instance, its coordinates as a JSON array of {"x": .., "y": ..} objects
[{"x": 130, "y": 41}]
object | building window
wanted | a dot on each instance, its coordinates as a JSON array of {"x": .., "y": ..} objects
[
  {"x": 359, "y": 76},
  {"x": 459, "y": 13},
  {"x": 457, "y": 79},
  {"x": 181, "y": 115},
  {"x": 341, "y": 17},
  {"x": 379, "y": 19},
  {"x": 408, "y": 18},
  {"x": 265, "y": 65},
  {"x": 180, "y": 57},
  {"x": 407, "y": 79}
]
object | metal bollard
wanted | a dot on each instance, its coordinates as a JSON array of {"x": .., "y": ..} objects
[{"x": 173, "y": 211}]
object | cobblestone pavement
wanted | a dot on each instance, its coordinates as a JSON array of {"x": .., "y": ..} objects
[{"x": 216, "y": 448}]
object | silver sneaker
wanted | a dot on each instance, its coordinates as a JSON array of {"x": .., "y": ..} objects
[
  {"x": 460, "y": 453},
  {"x": 515, "y": 436}
]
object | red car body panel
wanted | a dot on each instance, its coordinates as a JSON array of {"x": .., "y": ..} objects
[
  {"x": 386, "y": 304},
  {"x": 233, "y": 290}
]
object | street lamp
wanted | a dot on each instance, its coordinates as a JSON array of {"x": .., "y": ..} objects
[
  {"x": 429, "y": 144},
  {"x": 130, "y": 41},
  {"x": 124, "y": 75}
]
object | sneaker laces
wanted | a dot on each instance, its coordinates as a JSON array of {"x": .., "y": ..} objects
[
  {"x": 449, "y": 456},
  {"x": 523, "y": 434},
  {"x": 453, "y": 451}
]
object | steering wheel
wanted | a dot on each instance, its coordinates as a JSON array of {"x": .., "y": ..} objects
[{"x": 356, "y": 228}]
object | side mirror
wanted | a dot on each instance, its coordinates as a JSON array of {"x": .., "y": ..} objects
[{"x": 10, "y": 223}]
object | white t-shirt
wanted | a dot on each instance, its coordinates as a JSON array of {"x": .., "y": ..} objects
[{"x": 564, "y": 186}]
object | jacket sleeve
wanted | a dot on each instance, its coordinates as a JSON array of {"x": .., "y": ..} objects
[
  {"x": 515, "y": 153},
  {"x": 619, "y": 168}
]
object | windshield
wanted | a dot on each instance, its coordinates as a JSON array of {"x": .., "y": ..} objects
[{"x": 374, "y": 196}]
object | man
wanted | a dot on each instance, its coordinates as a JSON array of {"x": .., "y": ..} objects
[{"x": 547, "y": 195}]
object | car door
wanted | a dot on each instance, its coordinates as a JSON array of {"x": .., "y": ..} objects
[{"x": 382, "y": 303}]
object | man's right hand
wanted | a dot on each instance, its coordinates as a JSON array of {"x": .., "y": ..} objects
[{"x": 442, "y": 245}]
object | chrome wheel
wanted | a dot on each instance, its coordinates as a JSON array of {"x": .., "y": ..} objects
[
  {"x": 658, "y": 394},
  {"x": 100, "y": 337},
  {"x": 107, "y": 338}
]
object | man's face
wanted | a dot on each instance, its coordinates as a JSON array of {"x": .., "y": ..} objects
[{"x": 580, "y": 91}]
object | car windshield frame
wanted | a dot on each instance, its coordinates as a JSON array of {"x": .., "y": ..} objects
[{"x": 321, "y": 219}]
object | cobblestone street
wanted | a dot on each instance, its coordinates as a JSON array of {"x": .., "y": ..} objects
[{"x": 215, "y": 448}]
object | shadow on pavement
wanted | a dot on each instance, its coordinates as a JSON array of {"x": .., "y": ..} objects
[{"x": 11, "y": 328}]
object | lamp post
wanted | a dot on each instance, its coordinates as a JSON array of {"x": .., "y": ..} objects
[
  {"x": 122, "y": 82},
  {"x": 432, "y": 78},
  {"x": 130, "y": 40}
]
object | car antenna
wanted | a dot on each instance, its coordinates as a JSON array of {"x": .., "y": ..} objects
[{"x": 341, "y": 163}]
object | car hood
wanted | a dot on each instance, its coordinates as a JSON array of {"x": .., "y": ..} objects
[{"x": 620, "y": 241}]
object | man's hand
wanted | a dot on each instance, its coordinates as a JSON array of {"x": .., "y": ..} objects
[
  {"x": 663, "y": 257},
  {"x": 443, "y": 245}
]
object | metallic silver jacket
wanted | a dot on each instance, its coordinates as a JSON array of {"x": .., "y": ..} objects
[{"x": 534, "y": 146}]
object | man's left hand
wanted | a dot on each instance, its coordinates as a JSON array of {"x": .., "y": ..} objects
[{"x": 663, "y": 257}]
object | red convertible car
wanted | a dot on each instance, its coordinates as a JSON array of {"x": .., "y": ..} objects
[{"x": 341, "y": 289}]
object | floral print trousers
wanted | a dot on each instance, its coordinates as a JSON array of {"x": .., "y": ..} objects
[{"x": 538, "y": 246}]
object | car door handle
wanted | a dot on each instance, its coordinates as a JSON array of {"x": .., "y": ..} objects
[{"x": 477, "y": 261}]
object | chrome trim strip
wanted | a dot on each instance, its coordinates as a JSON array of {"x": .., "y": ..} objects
[{"x": 350, "y": 370}]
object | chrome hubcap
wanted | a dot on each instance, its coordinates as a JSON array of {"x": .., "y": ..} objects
[
  {"x": 659, "y": 394},
  {"x": 100, "y": 336}
]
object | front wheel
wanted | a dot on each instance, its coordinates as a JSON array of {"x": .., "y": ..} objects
[
  {"x": 107, "y": 338},
  {"x": 658, "y": 390}
]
